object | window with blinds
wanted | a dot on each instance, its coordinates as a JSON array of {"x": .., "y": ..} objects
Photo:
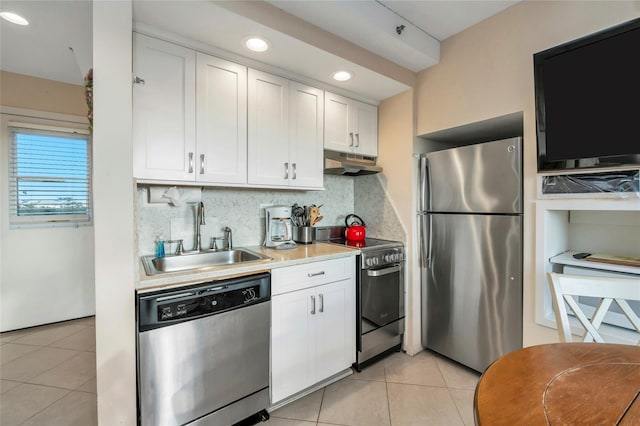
[{"x": 50, "y": 175}]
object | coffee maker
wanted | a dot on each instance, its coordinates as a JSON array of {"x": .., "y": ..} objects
[{"x": 278, "y": 228}]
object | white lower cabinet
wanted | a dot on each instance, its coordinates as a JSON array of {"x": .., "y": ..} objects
[{"x": 313, "y": 326}]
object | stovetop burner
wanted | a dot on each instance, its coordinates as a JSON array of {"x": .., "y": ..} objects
[
  {"x": 367, "y": 243},
  {"x": 375, "y": 251}
]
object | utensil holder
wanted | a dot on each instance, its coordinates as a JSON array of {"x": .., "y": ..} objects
[{"x": 304, "y": 234}]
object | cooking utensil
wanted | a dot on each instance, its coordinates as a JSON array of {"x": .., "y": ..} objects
[
  {"x": 297, "y": 215},
  {"x": 355, "y": 229},
  {"x": 313, "y": 214}
]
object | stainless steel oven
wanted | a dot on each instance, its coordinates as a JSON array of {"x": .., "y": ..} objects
[
  {"x": 203, "y": 352},
  {"x": 379, "y": 293},
  {"x": 381, "y": 300}
]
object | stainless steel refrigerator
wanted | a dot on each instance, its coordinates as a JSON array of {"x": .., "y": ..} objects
[{"x": 470, "y": 239}]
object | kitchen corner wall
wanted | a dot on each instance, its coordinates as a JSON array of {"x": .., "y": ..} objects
[
  {"x": 373, "y": 206},
  {"x": 486, "y": 71},
  {"x": 239, "y": 209}
]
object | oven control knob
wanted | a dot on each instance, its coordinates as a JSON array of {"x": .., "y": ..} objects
[
  {"x": 387, "y": 258},
  {"x": 367, "y": 262}
]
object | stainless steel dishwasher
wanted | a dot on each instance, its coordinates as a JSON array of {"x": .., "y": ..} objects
[{"x": 203, "y": 352}]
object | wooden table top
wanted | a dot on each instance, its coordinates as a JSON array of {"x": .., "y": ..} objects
[{"x": 562, "y": 384}]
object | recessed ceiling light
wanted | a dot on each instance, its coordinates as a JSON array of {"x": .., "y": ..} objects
[
  {"x": 14, "y": 18},
  {"x": 256, "y": 44},
  {"x": 342, "y": 75}
]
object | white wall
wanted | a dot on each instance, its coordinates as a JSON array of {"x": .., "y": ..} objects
[
  {"x": 114, "y": 219},
  {"x": 396, "y": 134},
  {"x": 46, "y": 272}
]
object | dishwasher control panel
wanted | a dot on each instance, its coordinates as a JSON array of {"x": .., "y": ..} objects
[
  {"x": 208, "y": 301},
  {"x": 170, "y": 307}
]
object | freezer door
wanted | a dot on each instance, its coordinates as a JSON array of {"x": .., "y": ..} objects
[
  {"x": 472, "y": 292},
  {"x": 482, "y": 178}
]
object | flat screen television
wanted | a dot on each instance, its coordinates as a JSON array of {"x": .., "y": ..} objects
[{"x": 587, "y": 94}]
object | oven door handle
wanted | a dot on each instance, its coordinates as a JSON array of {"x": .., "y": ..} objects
[{"x": 385, "y": 271}]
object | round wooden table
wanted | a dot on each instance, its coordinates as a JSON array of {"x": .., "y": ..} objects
[{"x": 561, "y": 384}]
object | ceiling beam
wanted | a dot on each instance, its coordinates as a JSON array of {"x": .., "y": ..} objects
[{"x": 279, "y": 20}]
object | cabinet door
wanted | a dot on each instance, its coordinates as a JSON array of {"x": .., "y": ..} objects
[
  {"x": 337, "y": 135},
  {"x": 306, "y": 136},
  {"x": 366, "y": 134},
  {"x": 292, "y": 343},
  {"x": 335, "y": 328},
  {"x": 222, "y": 121},
  {"x": 163, "y": 110},
  {"x": 268, "y": 143}
]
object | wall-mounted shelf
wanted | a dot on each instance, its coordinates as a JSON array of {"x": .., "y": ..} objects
[{"x": 567, "y": 258}]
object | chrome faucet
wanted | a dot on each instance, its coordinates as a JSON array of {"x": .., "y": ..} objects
[
  {"x": 227, "y": 238},
  {"x": 199, "y": 221}
]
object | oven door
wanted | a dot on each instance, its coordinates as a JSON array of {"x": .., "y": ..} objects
[{"x": 382, "y": 296}]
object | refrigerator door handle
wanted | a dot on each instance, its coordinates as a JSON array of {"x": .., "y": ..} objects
[
  {"x": 422, "y": 239},
  {"x": 429, "y": 246},
  {"x": 424, "y": 200},
  {"x": 424, "y": 185}
]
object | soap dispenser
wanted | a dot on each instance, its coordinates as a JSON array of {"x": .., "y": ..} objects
[{"x": 160, "y": 247}]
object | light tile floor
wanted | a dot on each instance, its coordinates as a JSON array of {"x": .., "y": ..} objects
[
  {"x": 399, "y": 390},
  {"x": 47, "y": 377}
]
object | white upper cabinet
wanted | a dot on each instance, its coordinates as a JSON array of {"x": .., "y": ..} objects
[
  {"x": 268, "y": 129},
  {"x": 221, "y": 130},
  {"x": 350, "y": 126},
  {"x": 285, "y": 132},
  {"x": 306, "y": 135},
  {"x": 164, "y": 115},
  {"x": 202, "y": 120},
  {"x": 190, "y": 115}
]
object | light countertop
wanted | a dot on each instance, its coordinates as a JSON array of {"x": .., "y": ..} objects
[{"x": 277, "y": 259}]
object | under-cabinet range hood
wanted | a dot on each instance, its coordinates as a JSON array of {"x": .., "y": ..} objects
[{"x": 340, "y": 163}]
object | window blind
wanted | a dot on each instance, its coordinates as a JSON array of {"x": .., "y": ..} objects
[{"x": 50, "y": 175}]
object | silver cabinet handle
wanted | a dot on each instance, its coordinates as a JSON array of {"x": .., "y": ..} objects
[
  {"x": 313, "y": 304},
  {"x": 191, "y": 162},
  {"x": 201, "y": 164},
  {"x": 321, "y": 302},
  {"x": 315, "y": 274},
  {"x": 286, "y": 170},
  {"x": 357, "y": 140},
  {"x": 351, "y": 138},
  {"x": 293, "y": 165},
  {"x": 385, "y": 271}
]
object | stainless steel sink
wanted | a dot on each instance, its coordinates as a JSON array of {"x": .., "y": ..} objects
[{"x": 188, "y": 261}]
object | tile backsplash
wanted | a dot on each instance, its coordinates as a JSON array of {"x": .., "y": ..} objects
[
  {"x": 372, "y": 204},
  {"x": 237, "y": 208}
]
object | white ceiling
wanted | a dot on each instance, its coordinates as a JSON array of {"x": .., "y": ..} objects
[
  {"x": 372, "y": 24},
  {"x": 42, "y": 48}
]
